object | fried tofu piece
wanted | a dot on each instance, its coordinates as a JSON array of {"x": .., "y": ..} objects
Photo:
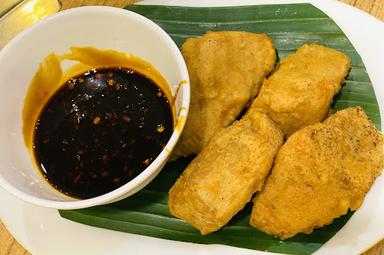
[
  {"x": 226, "y": 71},
  {"x": 300, "y": 91},
  {"x": 319, "y": 173},
  {"x": 222, "y": 178}
]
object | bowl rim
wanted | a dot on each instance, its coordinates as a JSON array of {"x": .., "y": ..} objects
[{"x": 115, "y": 194}]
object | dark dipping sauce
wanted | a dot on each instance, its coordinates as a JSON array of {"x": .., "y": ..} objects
[{"x": 100, "y": 130}]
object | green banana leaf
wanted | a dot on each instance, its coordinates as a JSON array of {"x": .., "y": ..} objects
[{"x": 291, "y": 25}]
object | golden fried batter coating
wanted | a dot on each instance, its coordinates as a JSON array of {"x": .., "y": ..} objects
[
  {"x": 300, "y": 91},
  {"x": 319, "y": 173},
  {"x": 222, "y": 178},
  {"x": 226, "y": 71}
]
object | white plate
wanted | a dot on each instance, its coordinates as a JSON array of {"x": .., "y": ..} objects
[{"x": 43, "y": 231}]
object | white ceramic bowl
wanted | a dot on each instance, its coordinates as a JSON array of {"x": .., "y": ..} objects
[{"x": 101, "y": 27}]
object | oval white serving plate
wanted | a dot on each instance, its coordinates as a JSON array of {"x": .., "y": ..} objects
[{"x": 43, "y": 231}]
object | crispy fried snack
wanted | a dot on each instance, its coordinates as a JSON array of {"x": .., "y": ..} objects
[
  {"x": 222, "y": 178},
  {"x": 319, "y": 173},
  {"x": 300, "y": 91},
  {"x": 226, "y": 71}
]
